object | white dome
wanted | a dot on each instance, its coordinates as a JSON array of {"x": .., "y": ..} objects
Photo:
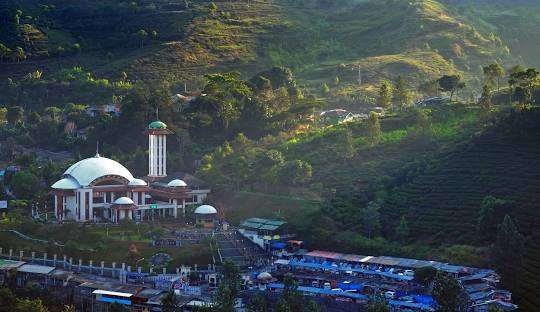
[
  {"x": 137, "y": 182},
  {"x": 264, "y": 276},
  {"x": 89, "y": 169},
  {"x": 124, "y": 201},
  {"x": 205, "y": 209},
  {"x": 177, "y": 183},
  {"x": 66, "y": 184}
]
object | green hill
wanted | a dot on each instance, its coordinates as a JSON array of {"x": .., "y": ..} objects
[
  {"x": 443, "y": 199},
  {"x": 321, "y": 40}
]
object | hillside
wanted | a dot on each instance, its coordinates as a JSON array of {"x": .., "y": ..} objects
[
  {"x": 443, "y": 200},
  {"x": 417, "y": 39}
]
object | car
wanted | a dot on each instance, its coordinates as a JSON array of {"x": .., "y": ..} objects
[
  {"x": 390, "y": 295},
  {"x": 327, "y": 286},
  {"x": 408, "y": 273}
]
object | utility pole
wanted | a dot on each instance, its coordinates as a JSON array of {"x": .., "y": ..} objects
[{"x": 359, "y": 75}]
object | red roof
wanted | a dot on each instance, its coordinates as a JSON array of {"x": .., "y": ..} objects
[{"x": 325, "y": 254}]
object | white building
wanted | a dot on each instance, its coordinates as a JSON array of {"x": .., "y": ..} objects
[{"x": 99, "y": 189}]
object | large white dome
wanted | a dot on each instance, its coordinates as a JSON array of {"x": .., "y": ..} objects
[
  {"x": 205, "y": 209},
  {"x": 89, "y": 169}
]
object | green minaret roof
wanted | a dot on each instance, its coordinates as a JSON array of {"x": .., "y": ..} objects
[{"x": 157, "y": 125}]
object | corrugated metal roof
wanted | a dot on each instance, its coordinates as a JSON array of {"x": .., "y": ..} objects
[
  {"x": 10, "y": 264},
  {"x": 36, "y": 269},
  {"x": 112, "y": 293}
]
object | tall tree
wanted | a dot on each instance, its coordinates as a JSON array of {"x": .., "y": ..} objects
[
  {"x": 15, "y": 115},
  {"x": 450, "y": 83},
  {"x": 141, "y": 35},
  {"x": 447, "y": 292},
  {"x": 486, "y": 224},
  {"x": 423, "y": 121},
  {"x": 19, "y": 54},
  {"x": 508, "y": 251},
  {"x": 371, "y": 219},
  {"x": 374, "y": 128},
  {"x": 493, "y": 74},
  {"x": 258, "y": 303},
  {"x": 485, "y": 98},
  {"x": 402, "y": 229},
  {"x": 524, "y": 82},
  {"x": 385, "y": 95},
  {"x": 402, "y": 94},
  {"x": 228, "y": 288},
  {"x": 169, "y": 303},
  {"x": 5, "y": 52},
  {"x": 291, "y": 300}
]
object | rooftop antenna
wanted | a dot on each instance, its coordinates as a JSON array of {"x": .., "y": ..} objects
[
  {"x": 157, "y": 112},
  {"x": 97, "y": 148}
]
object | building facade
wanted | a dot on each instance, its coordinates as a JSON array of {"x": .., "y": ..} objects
[{"x": 99, "y": 189}]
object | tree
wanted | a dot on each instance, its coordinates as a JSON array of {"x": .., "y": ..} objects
[
  {"x": 53, "y": 112},
  {"x": 425, "y": 275},
  {"x": 116, "y": 307},
  {"x": 447, "y": 293},
  {"x": 450, "y": 83},
  {"x": 486, "y": 224},
  {"x": 76, "y": 48},
  {"x": 296, "y": 172},
  {"x": 7, "y": 299},
  {"x": 291, "y": 300},
  {"x": 493, "y": 72},
  {"x": 257, "y": 303},
  {"x": 508, "y": 251},
  {"x": 228, "y": 288},
  {"x": 423, "y": 121},
  {"x": 15, "y": 115},
  {"x": 141, "y": 35},
  {"x": 325, "y": 90},
  {"x": 169, "y": 303},
  {"x": 29, "y": 305},
  {"x": 212, "y": 8},
  {"x": 525, "y": 82},
  {"x": 403, "y": 94},
  {"x": 69, "y": 308},
  {"x": 19, "y": 55},
  {"x": 385, "y": 95},
  {"x": 24, "y": 185},
  {"x": 374, "y": 128},
  {"x": 485, "y": 99},
  {"x": 5, "y": 52},
  {"x": 371, "y": 219},
  {"x": 402, "y": 229},
  {"x": 377, "y": 303},
  {"x": 3, "y": 114}
]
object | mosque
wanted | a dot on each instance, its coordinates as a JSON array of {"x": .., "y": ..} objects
[{"x": 99, "y": 189}]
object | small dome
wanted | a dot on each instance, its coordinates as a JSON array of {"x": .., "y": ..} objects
[
  {"x": 137, "y": 182},
  {"x": 205, "y": 209},
  {"x": 157, "y": 125},
  {"x": 177, "y": 183},
  {"x": 66, "y": 184},
  {"x": 264, "y": 276},
  {"x": 124, "y": 201}
]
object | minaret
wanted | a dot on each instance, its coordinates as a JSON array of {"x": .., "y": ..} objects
[{"x": 157, "y": 149}]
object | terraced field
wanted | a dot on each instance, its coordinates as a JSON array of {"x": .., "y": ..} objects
[{"x": 444, "y": 199}]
